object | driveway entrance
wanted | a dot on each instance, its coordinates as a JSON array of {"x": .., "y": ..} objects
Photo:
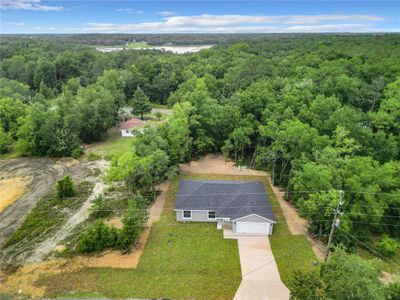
[{"x": 260, "y": 276}]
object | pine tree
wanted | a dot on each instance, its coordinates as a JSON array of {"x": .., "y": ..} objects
[{"x": 140, "y": 103}]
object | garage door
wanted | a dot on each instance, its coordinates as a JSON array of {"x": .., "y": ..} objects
[{"x": 252, "y": 227}]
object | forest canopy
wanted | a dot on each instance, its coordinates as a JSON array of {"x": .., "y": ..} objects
[{"x": 320, "y": 112}]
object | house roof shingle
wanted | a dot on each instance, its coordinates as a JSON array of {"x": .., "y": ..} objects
[
  {"x": 131, "y": 123},
  {"x": 229, "y": 199}
]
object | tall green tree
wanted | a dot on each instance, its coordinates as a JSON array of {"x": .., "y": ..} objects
[{"x": 140, "y": 103}]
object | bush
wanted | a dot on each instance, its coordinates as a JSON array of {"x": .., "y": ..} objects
[
  {"x": 65, "y": 187},
  {"x": 77, "y": 152},
  {"x": 388, "y": 246},
  {"x": 92, "y": 156},
  {"x": 100, "y": 208},
  {"x": 5, "y": 141},
  {"x": 98, "y": 236},
  {"x": 393, "y": 291},
  {"x": 134, "y": 222}
]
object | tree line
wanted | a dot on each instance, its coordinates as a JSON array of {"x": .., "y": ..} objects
[{"x": 321, "y": 113}]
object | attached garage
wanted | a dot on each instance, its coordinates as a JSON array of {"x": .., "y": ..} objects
[
  {"x": 252, "y": 224},
  {"x": 240, "y": 206}
]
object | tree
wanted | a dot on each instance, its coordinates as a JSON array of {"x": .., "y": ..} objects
[
  {"x": 96, "y": 110},
  {"x": 97, "y": 237},
  {"x": 10, "y": 111},
  {"x": 65, "y": 187},
  {"x": 140, "y": 103},
  {"x": 348, "y": 276},
  {"x": 342, "y": 276},
  {"x": 134, "y": 222}
]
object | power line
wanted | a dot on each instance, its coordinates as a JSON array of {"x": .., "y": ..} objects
[{"x": 373, "y": 250}]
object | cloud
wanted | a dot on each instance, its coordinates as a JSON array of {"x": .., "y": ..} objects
[
  {"x": 130, "y": 11},
  {"x": 207, "y": 23},
  {"x": 28, "y": 5},
  {"x": 166, "y": 13},
  {"x": 15, "y": 23}
]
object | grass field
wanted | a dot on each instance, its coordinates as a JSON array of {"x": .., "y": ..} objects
[
  {"x": 114, "y": 145},
  {"x": 184, "y": 261}
]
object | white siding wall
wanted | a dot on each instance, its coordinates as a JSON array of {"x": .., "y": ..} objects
[
  {"x": 126, "y": 133},
  {"x": 197, "y": 216}
]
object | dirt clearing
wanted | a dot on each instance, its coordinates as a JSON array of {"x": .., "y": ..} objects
[{"x": 11, "y": 189}]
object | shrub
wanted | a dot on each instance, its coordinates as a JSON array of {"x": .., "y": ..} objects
[
  {"x": 100, "y": 208},
  {"x": 77, "y": 152},
  {"x": 158, "y": 115},
  {"x": 5, "y": 141},
  {"x": 98, "y": 236},
  {"x": 92, "y": 156},
  {"x": 65, "y": 187},
  {"x": 134, "y": 222},
  {"x": 393, "y": 291},
  {"x": 388, "y": 246}
]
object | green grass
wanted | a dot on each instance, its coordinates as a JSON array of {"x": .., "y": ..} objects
[
  {"x": 137, "y": 45},
  {"x": 113, "y": 146},
  {"x": 180, "y": 260}
]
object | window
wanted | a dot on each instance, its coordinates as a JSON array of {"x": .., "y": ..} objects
[
  {"x": 187, "y": 214},
  {"x": 211, "y": 214}
]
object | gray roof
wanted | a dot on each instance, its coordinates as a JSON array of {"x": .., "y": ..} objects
[{"x": 229, "y": 199}]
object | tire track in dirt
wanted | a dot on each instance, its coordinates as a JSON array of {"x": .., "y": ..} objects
[{"x": 43, "y": 173}]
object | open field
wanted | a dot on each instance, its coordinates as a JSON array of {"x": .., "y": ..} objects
[{"x": 114, "y": 145}]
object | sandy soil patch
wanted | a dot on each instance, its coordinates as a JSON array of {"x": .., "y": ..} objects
[
  {"x": 22, "y": 281},
  {"x": 11, "y": 189},
  {"x": 115, "y": 259},
  {"x": 116, "y": 222},
  {"x": 216, "y": 164}
]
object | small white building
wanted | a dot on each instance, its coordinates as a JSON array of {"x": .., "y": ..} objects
[{"x": 127, "y": 126}]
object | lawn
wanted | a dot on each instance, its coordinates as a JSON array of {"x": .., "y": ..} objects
[
  {"x": 114, "y": 145},
  {"x": 180, "y": 260}
]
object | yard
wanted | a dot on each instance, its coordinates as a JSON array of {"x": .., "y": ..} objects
[
  {"x": 179, "y": 261},
  {"x": 114, "y": 145},
  {"x": 189, "y": 260}
]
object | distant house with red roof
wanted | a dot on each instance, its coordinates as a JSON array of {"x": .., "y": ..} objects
[{"x": 127, "y": 126}]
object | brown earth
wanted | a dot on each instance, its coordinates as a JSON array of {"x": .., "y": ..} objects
[
  {"x": 22, "y": 281},
  {"x": 11, "y": 189}
]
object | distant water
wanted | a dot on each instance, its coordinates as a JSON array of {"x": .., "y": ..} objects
[{"x": 174, "y": 49}]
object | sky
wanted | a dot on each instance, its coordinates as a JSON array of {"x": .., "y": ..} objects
[{"x": 207, "y": 16}]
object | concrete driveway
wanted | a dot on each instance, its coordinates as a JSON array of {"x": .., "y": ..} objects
[{"x": 260, "y": 276}]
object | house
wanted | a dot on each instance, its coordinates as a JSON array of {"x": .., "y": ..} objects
[
  {"x": 127, "y": 126},
  {"x": 242, "y": 206}
]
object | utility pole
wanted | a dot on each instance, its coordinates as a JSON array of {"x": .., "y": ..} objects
[{"x": 334, "y": 224}]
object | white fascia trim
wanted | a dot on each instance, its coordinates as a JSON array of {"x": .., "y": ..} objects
[{"x": 253, "y": 215}]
